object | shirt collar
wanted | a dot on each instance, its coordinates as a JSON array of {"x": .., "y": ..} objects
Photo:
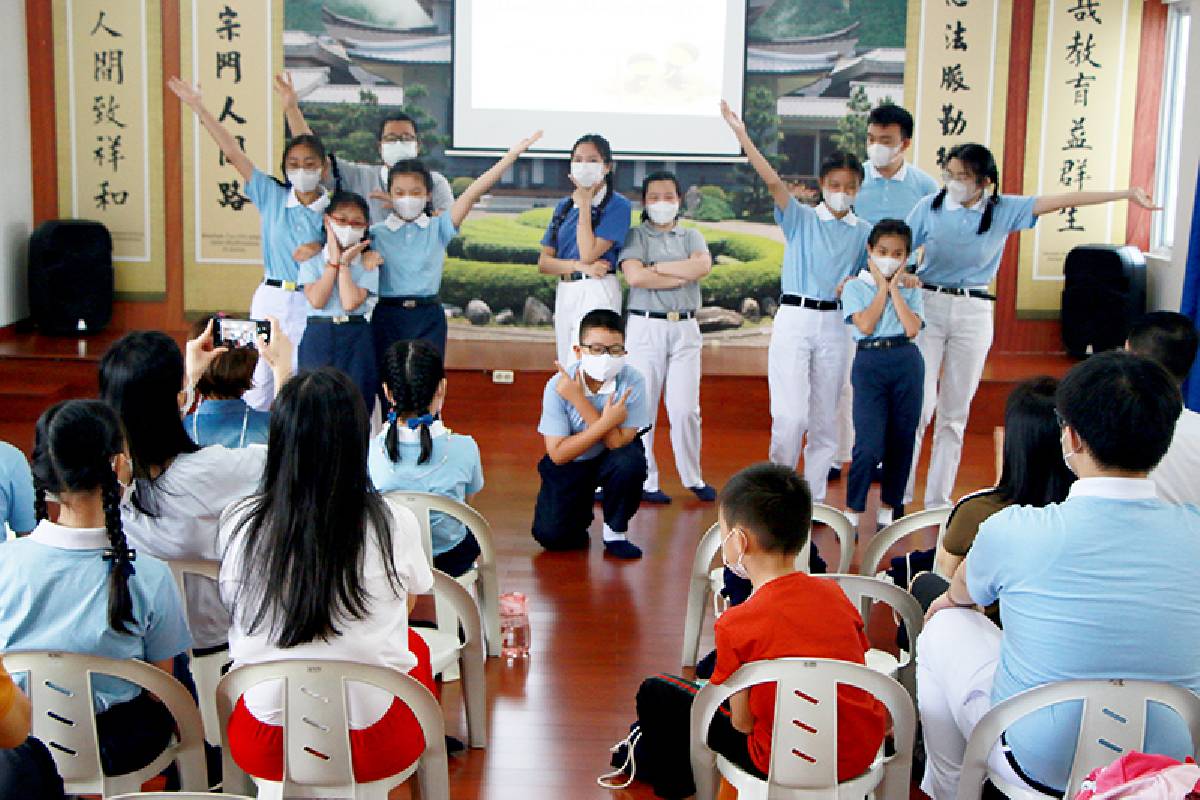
[
  {"x": 650, "y": 230},
  {"x": 227, "y": 406},
  {"x": 866, "y": 276},
  {"x": 599, "y": 197},
  {"x": 954, "y": 205},
  {"x": 900, "y": 175},
  {"x": 54, "y": 535},
  {"x": 394, "y": 223},
  {"x": 825, "y": 215},
  {"x": 319, "y": 205},
  {"x": 1114, "y": 488},
  {"x": 406, "y": 435}
]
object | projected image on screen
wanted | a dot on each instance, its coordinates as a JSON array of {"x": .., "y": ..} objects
[{"x": 648, "y": 73}]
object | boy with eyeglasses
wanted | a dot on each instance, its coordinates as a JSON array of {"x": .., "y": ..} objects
[{"x": 593, "y": 414}]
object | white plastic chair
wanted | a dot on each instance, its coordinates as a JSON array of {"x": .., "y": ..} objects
[
  {"x": 886, "y": 539},
  {"x": 206, "y": 669},
  {"x": 60, "y": 688},
  {"x": 804, "y": 759},
  {"x": 864, "y": 590},
  {"x": 1113, "y": 722},
  {"x": 706, "y": 581},
  {"x": 316, "y": 733},
  {"x": 483, "y": 576},
  {"x": 466, "y": 654},
  {"x": 180, "y": 796}
]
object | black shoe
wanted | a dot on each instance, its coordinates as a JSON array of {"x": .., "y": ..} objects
[
  {"x": 704, "y": 493},
  {"x": 622, "y": 548},
  {"x": 454, "y": 745},
  {"x": 835, "y": 473},
  {"x": 658, "y": 497}
]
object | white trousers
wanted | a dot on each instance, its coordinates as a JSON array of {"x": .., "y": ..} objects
[
  {"x": 806, "y": 367},
  {"x": 845, "y": 421},
  {"x": 668, "y": 356},
  {"x": 291, "y": 309},
  {"x": 954, "y": 343},
  {"x": 574, "y": 299},
  {"x": 957, "y": 653}
]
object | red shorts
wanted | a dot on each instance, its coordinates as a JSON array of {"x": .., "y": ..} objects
[{"x": 388, "y": 747}]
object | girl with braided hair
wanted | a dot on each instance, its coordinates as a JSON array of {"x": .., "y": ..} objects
[
  {"x": 415, "y": 452},
  {"x": 75, "y": 584}
]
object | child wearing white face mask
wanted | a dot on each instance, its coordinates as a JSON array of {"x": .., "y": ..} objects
[
  {"x": 339, "y": 287},
  {"x": 888, "y": 372},
  {"x": 664, "y": 263}
]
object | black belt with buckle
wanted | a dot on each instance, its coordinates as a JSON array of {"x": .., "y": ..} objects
[
  {"x": 670, "y": 316},
  {"x": 809, "y": 302},
  {"x": 571, "y": 277},
  {"x": 341, "y": 319},
  {"x": 290, "y": 286},
  {"x": 408, "y": 302},
  {"x": 959, "y": 292},
  {"x": 883, "y": 343}
]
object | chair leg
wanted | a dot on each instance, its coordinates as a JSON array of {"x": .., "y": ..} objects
[
  {"x": 447, "y": 623},
  {"x": 488, "y": 589},
  {"x": 474, "y": 692},
  {"x": 697, "y": 598}
]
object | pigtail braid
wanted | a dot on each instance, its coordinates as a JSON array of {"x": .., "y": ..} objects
[{"x": 120, "y": 558}]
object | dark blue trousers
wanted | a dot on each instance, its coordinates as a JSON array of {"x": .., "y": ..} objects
[
  {"x": 888, "y": 388},
  {"x": 349, "y": 347},
  {"x": 391, "y": 323},
  {"x": 563, "y": 512}
]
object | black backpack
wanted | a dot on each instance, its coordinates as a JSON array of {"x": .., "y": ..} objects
[{"x": 70, "y": 277}]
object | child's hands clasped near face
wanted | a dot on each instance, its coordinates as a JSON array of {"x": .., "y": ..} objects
[{"x": 344, "y": 239}]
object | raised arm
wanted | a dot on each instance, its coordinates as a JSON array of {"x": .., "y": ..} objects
[
  {"x": 462, "y": 206},
  {"x": 770, "y": 177},
  {"x": 291, "y": 104},
  {"x": 189, "y": 95},
  {"x": 1047, "y": 203}
]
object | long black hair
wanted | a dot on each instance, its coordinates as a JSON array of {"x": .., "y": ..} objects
[
  {"x": 413, "y": 371},
  {"x": 1033, "y": 473},
  {"x": 659, "y": 176},
  {"x": 306, "y": 529},
  {"x": 980, "y": 162},
  {"x": 141, "y": 376},
  {"x": 305, "y": 140},
  {"x": 413, "y": 166},
  {"x": 74, "y": 444}
]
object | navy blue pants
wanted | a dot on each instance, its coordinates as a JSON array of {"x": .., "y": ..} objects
[
  {"x": 563, "y": 512},
  {"x": 348, "y": 347},
  {"x": 888, "y": 388},
  {"x": 395, "y": 323}
]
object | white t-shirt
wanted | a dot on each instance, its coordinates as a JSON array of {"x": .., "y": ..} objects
[
  {"x": 190, "y": 496},
  {"x": 1177, "y": 476},
  {"x": 381, "y": 639}
]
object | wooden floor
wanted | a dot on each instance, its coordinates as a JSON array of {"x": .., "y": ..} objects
[{"x": 598, "y": 625}]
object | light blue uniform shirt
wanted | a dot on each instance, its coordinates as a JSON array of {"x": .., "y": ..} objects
[
  {"x": 559, "y": 417},
  {"x": 454, "y": 469},
  {"x": 955, "y": 255},
  {"x": 613, "y": 225},
  {"x": 414, "y": 254},
  {"x": 310, "y": 272},
  {"x": 286, "y": 224},
  {"x": 54, "y": 592},
  {"x": 1099, "y": 586},
  {"x": 894, "y": 197},
  {"x": 821, "y": 251},
  {"x": 231, "y": 423},
  {"x": 858, "y": 294},
  {"x": 16, "y": 489}
]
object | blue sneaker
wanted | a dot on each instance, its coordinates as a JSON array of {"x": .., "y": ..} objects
[
  {"x": 658, "y": 497},
  {"x": 622, "y": 548},
  {"x": 704, "y": 493}
]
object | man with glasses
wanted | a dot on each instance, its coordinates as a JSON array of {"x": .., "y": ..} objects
[{"x": 594, "y": 413}]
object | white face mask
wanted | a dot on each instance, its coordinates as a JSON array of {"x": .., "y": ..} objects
[
  {"x": 838, "y": 201},
  {"x": 409, "y": 208},
  {"x": 603, "y": 367},
  {"x": 662, "y": 213},
  {"x": 959, "y": 191},
  {"x": 887, "y": 265},
  {"x": 398, "y": 151},
  {"x": 346, "y": 235},
  {"x": 304, "y": 180},
  {"x": 737, "y": 567},
  {"x": 881, "y": 155},
  {"x": 587, "y": 173}
]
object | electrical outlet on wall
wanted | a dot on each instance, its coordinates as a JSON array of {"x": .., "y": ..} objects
[{"x": 502, "y": 376}]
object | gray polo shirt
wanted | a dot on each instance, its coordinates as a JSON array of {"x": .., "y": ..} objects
[
  {"x": 363, "y": 179},
  {"x": 651, "y": 246}
]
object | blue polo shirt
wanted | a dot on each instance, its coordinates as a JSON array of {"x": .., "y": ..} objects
[
  {"x": 414, "y": 254},
  {"x": 54, "y": 592},
  {"x": 613, "y": 225},
  {"x": 16, "y": 489},
  {"x": 1081, "y": 599},
  {"x": 821, "y": 250},
  {"x": 894, "y": 197},
  {"x": 231, "y": 423},
  {"x": 310, "y": 272},
  {"x": 286, "y": 224},
  {"x": 454, "y": 470},
  {"x": 559, "y": 417},
  {"x": 955, "y": 254},
  {"x": 859, "y": 293}
]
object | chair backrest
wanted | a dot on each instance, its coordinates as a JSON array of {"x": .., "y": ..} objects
[
  {"x": 710, "y": 542},
  {"x": 421, "y": 503},
  {"x": 887, "y": 538},
  {"x": 316, "y": 730},
  {"x": 205, "y": 568},
  {"x": 804, "y": 739},
  {"x": 60, "y": 688},
  {"x": 1113, "y": 722},
  {"x": 863, "y": 590}
]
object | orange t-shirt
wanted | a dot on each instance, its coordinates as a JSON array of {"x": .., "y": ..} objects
[{"x": 799, "y": 616}]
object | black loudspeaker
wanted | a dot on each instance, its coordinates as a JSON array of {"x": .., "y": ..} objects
[
  {"x": 70, "y": 277},
  {"x": 1104, "y": 291}
]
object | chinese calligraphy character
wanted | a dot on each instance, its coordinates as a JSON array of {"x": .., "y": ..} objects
[
  {"x": 1077, "y": 138},
  {"x": 952, "y": 121},
  {"x": 956, "y": 36},
  {"x": 228, "y": 111},
  {"x": 1079, "y": 52},
  {"x": 241, "y": 143},
  {"x": 107, "y": 197},
  {"x": 1074, "y": 173},
  {"x": 109, "y": 149},
  {"x": 229, "y": 25},
  {"x": 1081, "y": 85},
  {"x": 109, "y": 66},
  {"x": 957, "y": 3},
  {"x": 943, "y": 155},
  {"x": 1071, "y": 225},
  {"x": 1085, "y": 9},
  {"x": 106, "y": 110},
  {"x": 953, "y": 79},
  {"x": 231, "y": 195},
  {"x": 231, "y": 60},
  {"x": 101, "y": 26}
]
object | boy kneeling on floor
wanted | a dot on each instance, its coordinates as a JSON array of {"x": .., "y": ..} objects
[{"x": 593, "y": 414}]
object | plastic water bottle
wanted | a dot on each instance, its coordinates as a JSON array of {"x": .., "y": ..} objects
[{"x": 514, "y": 626}]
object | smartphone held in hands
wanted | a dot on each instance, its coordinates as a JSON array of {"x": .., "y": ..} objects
[{"x": 229, "y": 332}]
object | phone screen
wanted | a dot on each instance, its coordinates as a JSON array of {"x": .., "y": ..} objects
[{"x": 240, "y": 332}]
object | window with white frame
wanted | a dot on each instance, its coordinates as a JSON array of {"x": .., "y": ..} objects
[{"x": 1170, "y": 126}]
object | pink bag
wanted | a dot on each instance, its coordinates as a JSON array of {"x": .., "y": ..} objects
[{"x": 1140, "y": 776}]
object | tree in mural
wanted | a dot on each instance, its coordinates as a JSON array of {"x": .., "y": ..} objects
[
  {"x": 351, "y": 129},
  {"x": 851, "y": 135},
  {"x": 751, "y": 198}
]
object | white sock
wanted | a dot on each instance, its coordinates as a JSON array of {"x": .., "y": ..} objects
[
  {"x": 612, "y": 536},
  {"x": 853, "y": 517},
  {"x": 884, "y": 516}
]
